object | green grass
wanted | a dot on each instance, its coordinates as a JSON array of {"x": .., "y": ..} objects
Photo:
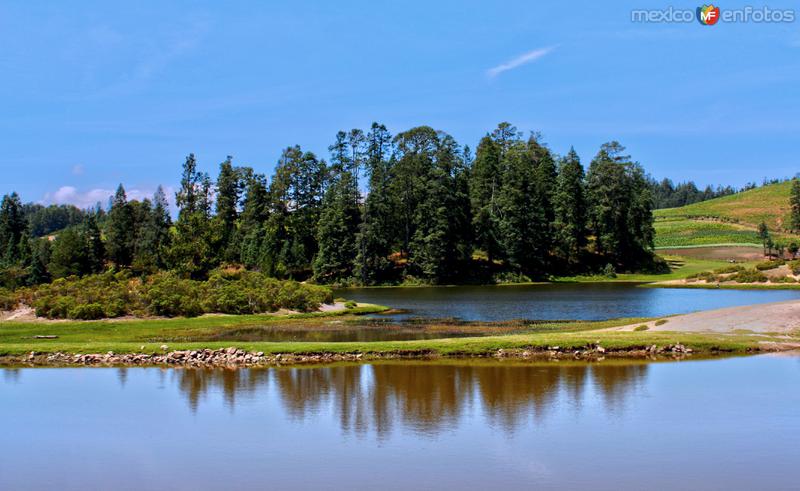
[
  {"x": 681, "y": 267},
  {"x": 684, "y": 232},
  {"x": 729, "y": 220},
  {"x": 769, "y": 204},
  {"x": 129, "y": 336}
]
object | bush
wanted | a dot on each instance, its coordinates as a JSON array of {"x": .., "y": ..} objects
[
  {"x": 643, "y": 327},
  {"x": 733, "y": 268},
  {"x": 772, "y": 264},
  {"x": 749, "y": 276},
  {"x": 795, "y": 266},
  {"x": 350, "y": 304},
  {"x": 166, "y": 294},
  {"x": 8, "y": 300},
  {"x": 89, "y": 311},
  {"x": 609, "y": 272},
  {"x": 707, "y": 276},
  {"x": 661, "y": 322},
  {"x": 783, "y": 279}
]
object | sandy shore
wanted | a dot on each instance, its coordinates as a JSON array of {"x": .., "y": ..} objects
[{"x": 778, "y": 317}]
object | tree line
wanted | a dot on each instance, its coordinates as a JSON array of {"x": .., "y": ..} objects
[
  {"x": 416, "y": 206},
  {"x": 667, "y": 194}
]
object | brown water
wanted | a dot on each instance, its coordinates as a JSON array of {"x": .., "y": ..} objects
[{"x": 722, "y": 424}]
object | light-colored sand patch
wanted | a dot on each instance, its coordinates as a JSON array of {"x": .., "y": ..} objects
[
  {"x": 778, "y": 317},
  {"x": 20, "y": 314}
]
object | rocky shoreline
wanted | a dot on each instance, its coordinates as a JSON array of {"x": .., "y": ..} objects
[{"x": 237, "y": 358}]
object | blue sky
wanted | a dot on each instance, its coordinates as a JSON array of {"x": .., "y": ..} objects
[{"x": 94, "y": 94}]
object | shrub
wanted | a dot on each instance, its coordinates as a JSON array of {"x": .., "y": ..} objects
[
  {"x": 795, "y": 266},
  {"x": 661, "y": 322},
  {"x": 166, "y": 294},
  {"x": 609, "y": 272},
  {"x": 89, "y": 311},
  {"x": 733, "y": 268},
  {"x": 783, "y": 279},
  {"x": 350, "y": 304},
  {"x": 749, "y": 276},
  {"x": 772, "y": 264},
  {"x": 643, "y": 327},
  {"x": 707, "y": 276},
  {"x": 8, "y": 299}
]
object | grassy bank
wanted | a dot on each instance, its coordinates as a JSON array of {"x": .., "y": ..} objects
[{"x": 148, "y": 336}]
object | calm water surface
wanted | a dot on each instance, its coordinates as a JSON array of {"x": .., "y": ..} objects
[
  {"x": 722, "y": 424},
  {"x": 586, "y": 301}
]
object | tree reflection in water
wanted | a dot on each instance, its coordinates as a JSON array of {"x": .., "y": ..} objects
[{"x": 421, "y": 397}]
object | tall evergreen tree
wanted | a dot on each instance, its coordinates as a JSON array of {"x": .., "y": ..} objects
[
  {"x": 441, "y": 244},
  {"x": 620, "y": 207},
  {"x": 95, "y": 249},
  {"x": 794, "y": 203},
  {"x": 484, "y": 192},
  {"x": 192, "y": 254},
  {"x": 254, "y": 216},
  {"x": 337, "y": 229},
  {"x": 68, "y": 255},
  {"x": 120, "y": 230},
  {"x": 409, "y": 185},
  {"x": 569, "y": 204},
  {"x": 154, "y": 238},
  {"x": 12, "y": 229},
  {"x": 230, "y": 185},
  {"x": 522, "y": 224},
  {"x": 376, "y": 231}
]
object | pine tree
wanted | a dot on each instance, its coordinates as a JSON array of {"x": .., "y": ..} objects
[
  {"x": 484, "y": 191},
  {"x": 441, "y": 246},
  {"x": 764, "y": 235},
  {"x": 522, "y": 223},
  {"x": 69, "y": 254},
  {"x": 621, "y": 205},
  {"x": 120, "y": 231},
  {"x": 254, "y": 216},
  {"x": 95, "y": 250},
  {"x": 12, "y": 229},
  {"x": 336, "y": 231},
  {"x": 230, "y": 185},
  {"x": 40, "y": 261},
  {"x": 569, "y": 203},
  {"x": 191, "y": 253},
  {"x": 794, "y": 203},
  {"x": 376, "y": 230}
]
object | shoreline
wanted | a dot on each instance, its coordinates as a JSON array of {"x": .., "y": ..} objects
[{"x": 235, "y": 358}]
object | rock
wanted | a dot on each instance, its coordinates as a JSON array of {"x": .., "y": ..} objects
[{"x": 164, "y": 347}]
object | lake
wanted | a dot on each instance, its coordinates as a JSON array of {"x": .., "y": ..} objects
[
  {"x": 723, "y": 424},
  {"x": 567, "y": 301}
]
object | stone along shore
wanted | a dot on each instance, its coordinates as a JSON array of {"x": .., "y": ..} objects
[{"x": 233, "y": 357}]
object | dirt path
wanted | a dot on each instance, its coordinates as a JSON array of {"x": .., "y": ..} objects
[{"x": 778, "y": 317}]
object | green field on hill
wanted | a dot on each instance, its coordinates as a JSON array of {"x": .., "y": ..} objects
[
  {"x": 728, "y": 220},
  {"x": 769, "y": 204}
]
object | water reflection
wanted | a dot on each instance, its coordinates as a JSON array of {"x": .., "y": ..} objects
[{"x": 423, "y": 397}]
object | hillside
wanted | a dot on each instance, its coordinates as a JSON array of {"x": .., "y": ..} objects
[
  {"x": 728, "y": 220},
  {"x": 767, "y": 203}
]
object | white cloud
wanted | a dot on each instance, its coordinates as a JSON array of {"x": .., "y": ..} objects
[
  {"x": 70, "y": 195},
  {"x": 520, "y": 60}
]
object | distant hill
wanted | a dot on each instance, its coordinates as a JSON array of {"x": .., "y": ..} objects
[{"x": 727, "y": 220}]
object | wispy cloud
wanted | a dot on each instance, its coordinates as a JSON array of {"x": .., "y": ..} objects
[{"x": 520, "y": 60}]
